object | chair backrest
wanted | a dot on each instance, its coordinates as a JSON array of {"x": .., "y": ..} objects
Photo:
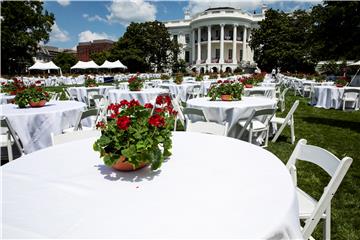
[
  {"x": 85, "y": 114},
  {"x": 179, "y": 109},
  {"x": 268, "y": 113},
  {"x": 291, "y": 111},
  {"x": 68, "y": 94},
  {"x": 351, "y": 90},
  {"x": 4, "y": 123},
  {"x": 73, "y": 136},
  {"x": 208, "y": 127},
  {"x": 335, "y": 167},
  {"x": 194, "y": 111},
  {"x": 284, "y": 93}
]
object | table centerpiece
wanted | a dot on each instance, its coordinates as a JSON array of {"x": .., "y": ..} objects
[
  {"x": 135, "y": 83},
  {"x": 11, "y": 88},
  {"x": 226, "y": 91},
  {"x": 136, "y": 135},
  {"x": 90, "y": 82},
  {"x": 33, "y": 95},
  {"x": 341, "y": 82},
  {"x": 179, "y": 78}
]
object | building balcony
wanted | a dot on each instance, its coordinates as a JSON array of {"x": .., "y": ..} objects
[{"x": 214, "y": 60}]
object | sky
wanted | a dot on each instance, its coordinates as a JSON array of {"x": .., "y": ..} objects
[{"x": 81, "y": 21}]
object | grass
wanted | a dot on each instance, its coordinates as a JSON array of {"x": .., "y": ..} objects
[{"x": 339, "y": 133}]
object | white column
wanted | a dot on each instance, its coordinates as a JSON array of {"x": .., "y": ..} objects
[
  {"x": 209, "y": 46},
  {"x": 193, "y": 47},
  {"x": 199, "y": 46},
  {"x": 222, "y": 44},
  {"x": 244, "y": 45},
  {"x": 234, "y": 44}
]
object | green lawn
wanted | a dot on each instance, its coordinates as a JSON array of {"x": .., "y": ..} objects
[{"x": 339, "y": 133}]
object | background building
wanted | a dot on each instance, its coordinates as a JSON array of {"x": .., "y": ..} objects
[
  {"x": 216, "y": 39},
  {"x": 85, "y": 49},
  {"x": 48, "y": 53}
]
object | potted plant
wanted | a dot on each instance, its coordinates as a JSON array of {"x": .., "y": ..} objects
[
  {"x": 226, "y": 91},
  {"x": 248, "y": 82},
  {"x": 199, "y": 77},
  {"x": 178, "y": 78},
  {"x": 341, "y": 82},
  {"x": 135, "y": 83},
  {"x": 136, "y": 135},
  {"x": 90, "y": 82},
  {"x": 13, "y": 87},
  {"x": 33, "y": 95}
]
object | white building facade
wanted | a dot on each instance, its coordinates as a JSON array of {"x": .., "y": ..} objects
[{"x": 216, "y": 39}]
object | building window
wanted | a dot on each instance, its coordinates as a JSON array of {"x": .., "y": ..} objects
[
  {"x": 230, "y": 54},
  {"x": 175, "y": 38},
  {"x": 217, "y": 53},
  {"x": 187, "y": 38},
  {"x": 240, "y": 55},
  {"x": 187, "y": 56},
  {"x": 217, "y": 34}
]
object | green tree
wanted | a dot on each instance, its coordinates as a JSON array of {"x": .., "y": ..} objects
[
  {"x": 65, "y": 61},
  {"x": 24, "y": 24},
  {"x": 100, "y": 57},
  {"x": 335, "y": 30},
  {"x": 282, "y": 41},
  {"x": 145, "y": 46}
]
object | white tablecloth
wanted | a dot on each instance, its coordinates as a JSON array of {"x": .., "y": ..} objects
[
  {"x": 211, "y": 187},
  {"x": 34, "y": 125},
  {"x": 181, "y": 89},
  {"x": 329, "y": 97},
  {"x": 269, "y": 91},
  {"x": 144, "y": 96},
  {"x": 5, "y": 99},
  {"x": 231, "y": 112},
  {"x": 81, "y": 92}
]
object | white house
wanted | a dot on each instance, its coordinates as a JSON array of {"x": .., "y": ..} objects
[{"x": 216, "y": 38}]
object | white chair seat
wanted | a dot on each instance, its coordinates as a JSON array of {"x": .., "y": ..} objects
[
  {"x": 353, "y": 99},
  {"x": 307, "y": 204},
  {"x": 278, "y": 120},
  {"x": 257, "y": 125}
]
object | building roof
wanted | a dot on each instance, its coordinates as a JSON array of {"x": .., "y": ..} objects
[{"x": 220, "y": 8}]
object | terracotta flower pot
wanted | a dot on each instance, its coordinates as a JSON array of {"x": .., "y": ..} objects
[
  {"x": 226, "y": 97},
  {"x": 339, "y": 85},
  {"x": 248, "y": 85},
  {"x": 41, "y": 103},
  {"x": 122, "y": 165}
]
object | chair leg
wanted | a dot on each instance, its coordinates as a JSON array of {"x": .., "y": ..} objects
[
  {"x": 267, "y": 137},
  {"x": 292, "y": 130},
  {"x": 9, "y": 149},
  {"x": 327, "y": 224},
  {"x": 344, "y": 103},
  {"x": 250, "y": 136}
]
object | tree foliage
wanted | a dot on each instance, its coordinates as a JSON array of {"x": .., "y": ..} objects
[
  {"x": 145, "y": 46},
  {"x": 297, "y": 41},
  {"x": 65, "y": 61},
  {"x": 24, "y": 24},
  {"x": 100, "y": 57}
]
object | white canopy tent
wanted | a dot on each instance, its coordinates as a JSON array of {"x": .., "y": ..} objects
[
  {"x": 85, "y": 65},
  {"x": 111, "y": 65},
  {"x": 45, "y": 66}
]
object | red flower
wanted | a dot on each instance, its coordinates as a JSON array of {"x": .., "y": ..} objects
[
  {"x": 123, "y": 122},
  {"x": 157, "y": 120},
  {"x": 168, "y": 100},
  {"x": 134, "y": 103},
  {"x": 219, "y": 81},
  {"x": 124, "y": 103},
  {"x": 226, "y": 81},
  {"x": 38, "y": 82},
  {"x": 148, "y": 105},
  {"x": 159, "y": 110},
  {"x": 159, "y": 100},
  {"x": 100, "y": 125}
]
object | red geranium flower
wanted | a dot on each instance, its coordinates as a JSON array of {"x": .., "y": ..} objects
[
  {"x": 159, "y": 110},
  {"x": 124, "y": 103},
  {"x": 100, "y": 125},
  {"x": 159, "y": 100},
  {"x": 123, "y": 122},
  {"x": 219, "y": 81},
  {"x": 226, "y": 81},
  {"x": 157, "y": 120},
  {"x": 148, "y": 105},
  {"x": 134, "y": 103}
]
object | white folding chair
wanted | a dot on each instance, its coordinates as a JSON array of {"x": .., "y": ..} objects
[
  {"x": 258, "y": 121},
  {"x": 256, "y": 93},
  {"x": 203, "y": 126},
  {"x": 288, "y": 120},
  {"x": 307, "y": 89},
  {"x": 193, "y": 92},
  {"x": 73, "y": 136},
  {"x": 177, "y": 107},
  {"x": 281, "y": 99},
  {"x": 92, "y": 113},
  {"x": 90, "y": 95},
  {"x": 8, "y": 138},
  {"x": 351, "y": 95},
  {"x": 311, "y": 210}
]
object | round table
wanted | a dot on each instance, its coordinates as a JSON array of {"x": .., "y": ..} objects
[
  {"x": 34, "y": 125},
  {"x": 269, "y": 91},
  {"x": 329, "y": 96},
  {"x": 231, "y": 112},
  {"x": 81, "y": 92},
  {"x": 144, "y": 96},
  {"x": 5, "y": 99},
  {"x": 206, "y": 189}
]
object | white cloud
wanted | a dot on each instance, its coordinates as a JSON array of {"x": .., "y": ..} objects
[
  {"x": 63, "y": 3},
  {"x": 125, "y": 12},
  {"x": 87, "y": 36},
  {"x": 94, "y": 18},
  {"x": 58, "y": 35}
]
